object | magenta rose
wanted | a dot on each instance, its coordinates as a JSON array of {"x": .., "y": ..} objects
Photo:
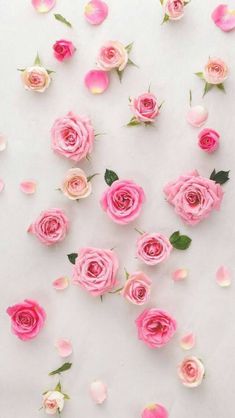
[
  {"x": 145, "y": 107},
  {"x": 96, "y": 270},
  {"x": 27, "y": 319},
  {"x": 50, "y": 227},
  {"x": 153, "y": 248},
  {"x": 155, "y": 327},
  {"x": 72, "y": 137},
  {"x": 193, "y": 197},
  {"x": 123, "y": 201},
  {"x": 137, "y": 288},
  {"x": 208, "y": 140},
  {"x": 63, "y": 49}
]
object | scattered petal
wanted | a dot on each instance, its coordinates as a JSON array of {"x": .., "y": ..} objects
[
  {"x": 224, "y": 18},
  {"x": 28, "y": 187},
  {"x": 61, "y": 283},
  {"x": 197, "y": 116},
  {"x": 2, "y": 185},
  {"x": 96, "y": 12},
  {"x": 223, "y": 277},
  {"x": 64, "y": 347},
  {"x": 188, "y": 341},
  {"x": 43, "y": 6},
  {"x": 3, "y": 143},
  {"x": 179, "y": 274},
  {"x": 97, "y": 81},
  {"x": 98, "y": 391}
]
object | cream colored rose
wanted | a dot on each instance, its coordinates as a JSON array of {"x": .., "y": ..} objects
[
  {"x": 112, "y": 55},
  {"x": 53, "y": 402},
  {"x": 75, "y": 184},
  {"x": 36, "y": 78}
]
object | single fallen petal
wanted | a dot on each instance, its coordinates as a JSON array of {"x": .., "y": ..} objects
[
  {"x": 28, "y": 187},
  {"x": 98, "y": 391},
  {"x": 179, "y": 274},
  {"x": 223, "y": 277},
  {"x": 43, "y": 6},
  {"x": 224, "y": 18},
  {"x": 61, "y": 283},
  {"x": 96, "y": 12},
  {"x": 154, "y": 411},
  {"x": 197, "y": 116},
  {"x": 2, "y": 185},
  {"x": 64, "y": 347},
  {"x": 188, "y": 341},
  {"x": 3, "y": 143},
  {"x": 97, "y": 81}
]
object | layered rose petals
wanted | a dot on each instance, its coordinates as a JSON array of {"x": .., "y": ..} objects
[
  {"x": 61, "y": 283},
  {"x": 223, "y": 277},
  {"x": 224, "y": 18},
  {"x": 153, "y": 248},
  {"x": 179, "y": 274},
  {"x": 187, "y": 341},
  {"x": 197, "y": 116},
  {"x": 208, "y": 140},
  {"x": 97, "y": 81},
  {"x": 137, "y": 288},
  {"x": 96, "y": 11},
  {"x": 98, "y": 391},
  {"x": 64, "y": 347},
  {"x": 191, "y": 372},
  {"x": 50, "y": 227},
  {"x": 43, "y": 6},
  {"x": 28, "y": 187}
]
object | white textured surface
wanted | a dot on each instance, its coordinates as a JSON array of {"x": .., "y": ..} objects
[{"x": 104, "y": 334}]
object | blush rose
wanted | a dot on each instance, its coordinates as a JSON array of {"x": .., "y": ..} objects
[
  {"x": 63, "y": 49},
  {"x": 75, "y": 184},
  {"x": 36, "y": 78},
  {"x": 112, "y": 55},
  {"x": 191, "y": 372},
  {"x": 174, "y": 9},
  {"x": 53, "y": 402},
  {"x": 153, "y": 248},
  {"x": 215, "y": 71},
  {"x": 50, "y": 227},
  {"x": 137, "y": 288},
  {"x": 145, "y": 107},
  {"x": 208, "y": 140}
]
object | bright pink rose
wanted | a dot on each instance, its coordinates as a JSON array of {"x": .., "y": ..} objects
[
  {"x": 112, "y": 55},
  {"x": 193, "y": 197},
  {"x": 191, "y": 372},
  {"x": 145, "y": 107},
  {"x": 50, "y": 227},
  {"x": 224, "y": 18},
  {"x": 96, "y": 270},
  {"x": 174, "y": 9},
  {"x": 63, "y": 49},
  {"x": 154, "y": 411},
  {"x": 215, "y": 71},
  {"x": 72, "y": 136},
  {"x": 123, "y": 201},
  {"x": 153, "y": 248},
  {"x": 208, "y": 140},
  {"x": 137, "y": 288},
  {"x": 27, "y": 319},
  {"x": 155, "y": 327}
]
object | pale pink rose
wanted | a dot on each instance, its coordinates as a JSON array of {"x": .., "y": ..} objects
[
  {"x": 98, "y": 391},
  {"x": 215, "y": 71},
  {"x": 27, "y": 319},
  {"x": 53, "y": 402},
  {"x": 72, "y": 136},
  {"x": 224, "y": 18},
  {"x": 36, "y": 78},
  {"x": 96, "y": 12},
  {"x": 174, "y": 9},
  {"x": 63, "y": 49},
  {"x": 97, "y": 81},
  {"x": 154, "y": 411},
  {"x": 194, "y": 197},
  {"x": 50, "y": 227},
  {"x": 112, "y": 55},
  {"x": 123, "y": 201},
  {"x": 191, "y": 372},
  {"x": 153, "y": 248},
  {"x": 145, "y": 107},
  {"x": 155, "y": 327},
  {"x": 75, "y": 184},
  {"x": 197, "y": 116},
  {"x": 137, "y": 288},
  {"x": 95, "y": 270},
  {"x": 208, "y": 140}
]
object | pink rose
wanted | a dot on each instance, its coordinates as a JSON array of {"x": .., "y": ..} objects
[
  {"x": 50, "y": 227},
  {"x": 112, "y": 55},
  {"x": 36, "y": 78},
  {"x": 137, "y": 288},
  {"x": 208, "y": 140},
  {"x": 191, "y": 372},
  {"x": 154, "y": 411},
  {"x": 75, "y": 184},
  {"x": 27, "y": 319},
  {"x": 155, "y": 327},
  {"x": 193, "y": 197},
  {"x": 153, "y": 248},
  {"x": 53, "y": 402},
  {"x": 123, "y": 201},
  {"x": 72, "y": 136},
  {"x": 215, "y": 71},
  {"x": 96, "y": 270},
  {"x": 174, "y": 9},
  {"x": 63, "y": 49},
  {"x": 145, "y": 107}
]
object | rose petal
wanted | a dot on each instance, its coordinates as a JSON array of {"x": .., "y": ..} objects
[
  {"x": 197, "y": 116},
  {"x": 223, "y": 277},
  {"x": 98, "y": 391},
  {"x": 179, "y": 274},
  {"x": 97, "y": 81},
  {"x": 188, "y": 341},
  {"x": 2, "y": 185},
  {"x": 96, "y": 12},
  {"x": 61, "y": 283},
  {"x": 28, "y": 187},
  {"x": 3, "y": 143},
  {"x": 43, "y": 6},
  {"x": 64, "y": 347},
  {"x": 224, "y": 18}
]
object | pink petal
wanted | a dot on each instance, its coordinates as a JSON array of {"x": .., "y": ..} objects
[
  {"x": 224, "y": 18},
  {"x": 3, "y": 143},
  {"x": 61, "y": 283},
  {"x": 223, "y": 277},
  {"x": 179, "y": 274},
  {"x": 2, "y": 185},
  {"x": 43, "y": 6},
  {"x": 197, "y": 116},
  {"x": 28, "y": 187},
  {"x": 98, "y": 391},
  {"x": 64, "y": 347},
  {"x": 97, "y": 81},
  {"x": 96, "y": 12},
  {"x": 188, "y": 341}
]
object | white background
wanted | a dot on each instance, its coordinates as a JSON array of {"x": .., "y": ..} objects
[{"x": 103, "y": 334}]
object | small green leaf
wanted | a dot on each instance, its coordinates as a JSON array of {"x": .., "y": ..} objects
[
  {"x": 20, "y": 69},
  {"x": 66, "y": 396},
  {"x": 200, "y": 75},
  {"x": 101, "y": 298},
  {"x": 221, "y": 87},
  {"x": 110, "y": 176},
  {"x": 120, "y": 74},
  {"x": 72, "y": 257},
  {"x": 58, "y": 387},
  {"x": 174, "y": 236},
  {"x": 165, "y": 19},
  {"x": 180, "y": 242},
  {"x": 129, "y": 47},
  {"x": 117, "y": 290},
  {"x": 190, "y": 98},
  {"x": 130, "y": 62},
  {"x": 62, "y": 19},
  {"x": 207, "y": 88},
  {"x": 37, "y": 60},
  {"x": 160, "y": 106},
  {"x": 63, "y": 368},
  {"x": 89, "y": 178},
  {"x": 221, "y": 177},
  {"x": 161, "y": 1},
  {"x": 50, "y": 71},
  {"x": 133, "y": 122}
]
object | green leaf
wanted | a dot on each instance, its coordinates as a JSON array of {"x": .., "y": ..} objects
[
  {"x": 130, "y": 62},
  {"x": 174, "y": 236},
  {"x": 89, "y": 178},
  {"x": 207, "y": 88},
  {"x": 116, "y": 291},
  {"x": 161, "y": 1},
  {"x": 101, "y": 298},
  {"x": 66, "y": 396},
  {"x": 72, "y": 257},
  {"x": 63, "y": 368},
  {"x": 37, "y": 60},
  {"x": 165, "y": 19},
  {"x": 180, "y": 242},
  {"x": 120, "y": 74},
  {"x": 129, "y": 47},
  {"x": 58, "y": 387},
  {"x": 127, "y": 274},
  {"x": 62, "y": 19},
  {"x": 110, "y": 176},
  {"x": 50, "y": 71},
  {"x": 20, "y": 69},
  {"x": 190, "y": 98},
  {"x": 200, "y": 75},
  {"x": 221, "y": 87},
  {"x": 133, "y": 122},
  {"x": 221, "y": 177}
]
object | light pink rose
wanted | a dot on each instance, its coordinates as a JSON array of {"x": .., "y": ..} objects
[
  {"x": 191, "y": 372},
  {"x": 75, "y": 184},
  {"x": 96, "y": 270},
  {"x": 53, "y": 402},
  {"x": 112, "y": 55},
  {"x": 208, "y": 140},
  {"x": 123, "y": 201},
  {"x": 224, "y": 18},
  {"x": 193, "y": 197},
  {"x": 174, "y": 9},
  {"x": 137, "y": 288},
  {"x": 155, "y": 327},
  {"x": 155, "y": 411},
  {"x": 72, "y": 136},
  {"x": 50, "y": 227},
  {"x": 215, "y": 71},
  {"x": 153, "y": 248},
  {"x": 63, "y": 49},
  {"x": 145, "y": 107},
  {"x": 36, "y": 78},
  {"x": 27, "y": 319}
]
